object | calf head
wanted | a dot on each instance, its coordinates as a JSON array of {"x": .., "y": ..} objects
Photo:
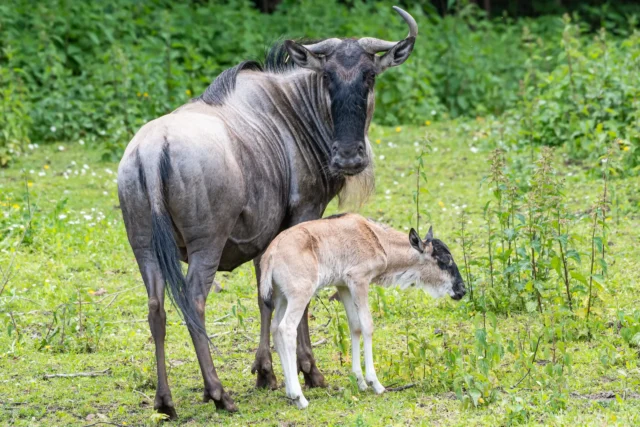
[{"x": 438, "y": 272}]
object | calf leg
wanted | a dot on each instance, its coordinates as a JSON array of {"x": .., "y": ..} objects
[
  {"x": 157, "y": 323},
  {"x": 360, "y": 293},
  {"x": 284, "y": 335},
  {"x": 306, "y": 361},
  {"x": 263, "y": 365},
  {"x": 356, "y": 332},
  {"x": 202, "y": 269}
]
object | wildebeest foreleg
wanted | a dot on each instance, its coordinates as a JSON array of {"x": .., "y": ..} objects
[
  {"x": 306, "y": 361},
  {"x": 263, "y": 365},
  {"x": 157, "y": 323},
  {"x": 202, "y": 269}
]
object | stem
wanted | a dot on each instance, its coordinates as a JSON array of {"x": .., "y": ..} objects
[
  {"x": 564, "y": 264},
  {"x": 466, "y": 260},
  {"x": 418, "y": 198},
  {"x": 604, "y": 205},
  {"x": 64, "y": 319},
  {"x": 15, "y": 325},
  {"x": 490, "y": 254},
  {"x": 593, "y": 256},
  {"x": 79, "y": 311}
]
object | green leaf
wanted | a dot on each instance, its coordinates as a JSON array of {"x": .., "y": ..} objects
[
  {"x": 475, "y": 395},
  {"x": 556, "y": 264},
  {"x": 573, "y": 254},
  {"x": 579, "y": 277}
]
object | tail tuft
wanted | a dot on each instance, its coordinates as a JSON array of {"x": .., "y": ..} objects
[{"x": 166, "y": 251}]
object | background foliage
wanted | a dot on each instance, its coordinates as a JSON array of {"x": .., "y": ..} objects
[{"x": 95, "y": 72}]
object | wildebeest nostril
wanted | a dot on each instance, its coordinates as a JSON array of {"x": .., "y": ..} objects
[{"x": 361, "y": 148}]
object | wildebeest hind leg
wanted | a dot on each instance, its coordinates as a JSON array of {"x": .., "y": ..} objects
[
  {"x": 202, "y": 269},
  {"x": 157, "y": 323},
  {"x": 263, "y": 365},
  {"x": 306, "y": 361}
]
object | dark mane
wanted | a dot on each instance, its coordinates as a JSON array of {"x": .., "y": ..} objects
[
  {"x": 276, "y": 60},
  {"x": 225, "y": 83}
]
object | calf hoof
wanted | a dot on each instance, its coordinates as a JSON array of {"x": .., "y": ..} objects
[
  {"x": 301, "y": 402},
  {"x": 362, "y": 384},
  {"x": 164, "y": 405},
  {"x": 263, "y": 367},
  {"x": 377, "y": 387},
  {"x": 220, "y": 398}
]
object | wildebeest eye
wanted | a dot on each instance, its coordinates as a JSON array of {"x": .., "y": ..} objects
[{"x": 369, "y": 78}]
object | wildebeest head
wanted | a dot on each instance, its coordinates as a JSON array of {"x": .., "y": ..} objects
[
  {"x": 447, "y": 280},
  {"x": 349, "y": 68}
]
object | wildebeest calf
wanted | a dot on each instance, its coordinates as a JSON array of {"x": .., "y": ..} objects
[{"x": 349, "y": 252}]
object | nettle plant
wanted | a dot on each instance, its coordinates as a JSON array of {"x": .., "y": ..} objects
[{"x": 589, "y": 97}]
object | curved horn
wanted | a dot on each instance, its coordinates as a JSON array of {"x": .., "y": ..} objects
[
  {"x": 373, "y": 45},
  {"x": 324, "y": 47}
]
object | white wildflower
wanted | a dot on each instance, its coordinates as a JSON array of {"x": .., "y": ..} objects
[
  {"x": 53, "y": 129},
  {"x": 61, "y": 147}
]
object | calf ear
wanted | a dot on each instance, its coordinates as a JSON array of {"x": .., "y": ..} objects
[
  {"x": 429, "y": 236},
  {"x": 415, "y": 241},
  {"x": 302, "y": 56},
  {"x": 396, "y": 55}
]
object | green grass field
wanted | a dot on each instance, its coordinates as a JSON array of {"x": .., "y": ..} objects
[{"x": 75, "y": 302}]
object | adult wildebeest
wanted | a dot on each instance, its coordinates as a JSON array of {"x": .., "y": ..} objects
[{"x": 212, "y": 183}]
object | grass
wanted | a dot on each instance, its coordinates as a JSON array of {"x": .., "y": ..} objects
[{"x": 75, "y": 268}]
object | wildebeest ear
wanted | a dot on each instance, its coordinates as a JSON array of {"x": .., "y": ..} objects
[
  {"x": 415, "y": 241},
  {"x": 302, "y": 56},
  {"x": 429, "y": 236},
  {"x": 396, "y": 55}
]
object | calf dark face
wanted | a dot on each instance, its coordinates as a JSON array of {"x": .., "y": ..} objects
[
  {"x": 445, "y": 262},
  {"x": 348, "y": 69},
  {"x": 440, "y": 253}
]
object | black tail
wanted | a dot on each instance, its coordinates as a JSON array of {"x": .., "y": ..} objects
[{"x": 164, "y": 247}]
